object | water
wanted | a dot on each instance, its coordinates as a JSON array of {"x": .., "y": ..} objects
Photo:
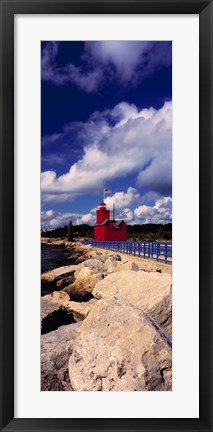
[{"x": 52, "y": 257}]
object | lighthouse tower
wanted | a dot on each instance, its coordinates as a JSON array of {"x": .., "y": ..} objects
[
  {"x": 106, "y": 229},
  {"x": 102, "y": 214}
]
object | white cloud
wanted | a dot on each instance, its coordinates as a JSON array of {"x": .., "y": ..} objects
[
  {"x": 158, "y": 175},
  {"x": 124, "y": 56},
  {"x": 159, "y": 213},
  {"x": 55, "y": 219},
  {"x": 125, "y": 214},
  {"x": 140, "y": 142},
  {"x": 87, "y": 81},
  {"x": 128, "y": 62},
  {"x": 57, "y": 198},
  {"x": 123, "y": 199},
  {"x": 88, "y": 218}
]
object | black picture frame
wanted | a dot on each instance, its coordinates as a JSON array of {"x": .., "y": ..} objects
[{"x": 7, "y": 11}]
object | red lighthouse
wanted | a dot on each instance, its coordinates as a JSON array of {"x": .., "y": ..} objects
[{"x": 106, "y": 229}]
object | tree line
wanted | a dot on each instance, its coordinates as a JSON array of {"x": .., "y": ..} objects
[{"x": 149, "y": 232}]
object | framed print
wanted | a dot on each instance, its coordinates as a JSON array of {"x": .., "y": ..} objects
[{"x": 110, "y": 103}]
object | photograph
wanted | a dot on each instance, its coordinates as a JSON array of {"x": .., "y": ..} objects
[
  {"x": 106, "y": 215},
  {"x": 106, "y": 210}
]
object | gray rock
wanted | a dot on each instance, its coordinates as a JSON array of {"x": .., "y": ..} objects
[
  {"x": 94, "y": 264},
  {"x": 53, "y": 315},
  {"x": 127, "y": 265},
  {"x": 52, "y": 276},
  {"x": 56, "y": 348},
  {"x": 109, "y": 265},
  {"x": 116, "y": 257}
]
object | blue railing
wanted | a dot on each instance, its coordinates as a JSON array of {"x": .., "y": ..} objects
[{"x": 158, "y": 251}]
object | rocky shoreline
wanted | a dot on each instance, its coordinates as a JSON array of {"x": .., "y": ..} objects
[{"x": 106, "y": 323}]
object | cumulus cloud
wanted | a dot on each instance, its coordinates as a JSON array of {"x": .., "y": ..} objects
[
  {"x": 125, "y": 214},
  {"x": 128, "y": 62},
  {"x": 123, "y": 199},
  {"x": 117, "y": 143},
  {"x": 54, "y": 219},
  {"x": 159, "y": 213}
]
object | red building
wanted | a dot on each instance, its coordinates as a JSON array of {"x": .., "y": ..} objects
[{"x": 106, "y": 229}]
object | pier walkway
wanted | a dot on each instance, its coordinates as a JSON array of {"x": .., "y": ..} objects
[{"x": 157, "y": 251}]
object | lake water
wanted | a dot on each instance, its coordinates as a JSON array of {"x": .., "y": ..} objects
[{"x": 52, "y": 257}]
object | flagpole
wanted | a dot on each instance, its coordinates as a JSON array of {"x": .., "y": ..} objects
[{"x": 104, "y": 194}]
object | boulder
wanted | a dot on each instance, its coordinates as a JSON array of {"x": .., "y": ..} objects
[
  {"x": 119, "y": 348},
  {"x": 109, "y": 265},
  {"x": 79, "y": 252},
  {"x": 60, "y": 297},
  {"x": 52, "y": 276},
  {"x": 53, "y": 313},
  {"x": 83, "y": 257},
  {"x": 94, "y": 264},
  {"x": 64, "y": 281},
  {"x": 82, "y": 272},
  {"x": 150, "y": 292},
  {"x": 116, "y": 257},
  {"x": 101, "y": 257},
  {"x": 56, "y": 348},
  {"x": 48, "y": 307},
  {"x": 127, "y": 265},
  {"x": 78, "y": 310},
  {"x": 81, "y": 290}
]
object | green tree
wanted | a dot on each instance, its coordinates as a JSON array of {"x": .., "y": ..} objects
[{"x": 70, "y": 232}]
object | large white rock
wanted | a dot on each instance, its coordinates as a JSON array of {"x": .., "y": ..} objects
[
  {"x": 81, "y": 289},
  {"x": 118, "y": 348},
  {"x": 53, "y": 275},
  {"x": 150, "y": 292}
]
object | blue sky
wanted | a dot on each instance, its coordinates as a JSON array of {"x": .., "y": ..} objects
[{"x": 106, "y": 121}]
